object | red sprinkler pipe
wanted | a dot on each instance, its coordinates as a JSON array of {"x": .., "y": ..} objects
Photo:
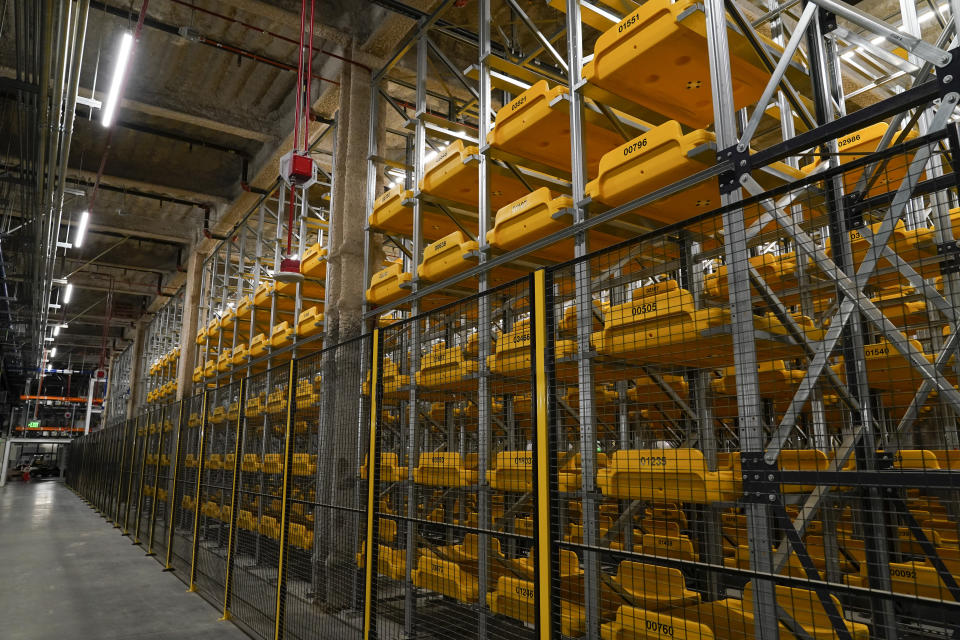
[{"x": 306, "y": 106}]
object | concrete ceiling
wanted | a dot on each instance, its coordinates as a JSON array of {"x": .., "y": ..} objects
[{"x": 208, "y": 104}]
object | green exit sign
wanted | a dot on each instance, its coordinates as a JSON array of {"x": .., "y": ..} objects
[{"x": 33, "y": 424}]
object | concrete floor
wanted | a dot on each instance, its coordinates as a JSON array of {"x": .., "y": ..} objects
[{"x": 66, "y": 573}]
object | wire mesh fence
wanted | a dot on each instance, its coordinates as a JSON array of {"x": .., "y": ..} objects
[
  {"x": 184, "y": 494},
  {"x": 744, "y": 419}
]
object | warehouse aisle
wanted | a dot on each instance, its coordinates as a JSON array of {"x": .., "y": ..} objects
[{"x": 69, "y": 574}]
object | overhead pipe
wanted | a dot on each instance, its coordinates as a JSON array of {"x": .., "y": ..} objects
[
  {"x": 46, "y": 140},
  {"x": 153, "y": 23},
  {"x": 244, "y": 179},
  {"x": 76, "y": 60},
  {"x": 268, "y": 32},
  {"x": 207, "y": 233}
]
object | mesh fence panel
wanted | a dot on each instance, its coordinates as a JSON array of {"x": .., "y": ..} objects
[
  {"x": 258, "y": 520},
  {"x": 184, "y": 504},
  {"x": 705, "y": 483},
  {"x": 326, "y": 502},
  {"x": 455, "y": 492},
  {"x": 216, "y": 490},
  {"x": 148, "y": 473},
  {"x": 163, "y": 480}
]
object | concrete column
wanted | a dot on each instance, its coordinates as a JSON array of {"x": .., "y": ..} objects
[
  {"x": 353, "y": 163},
  {"x": 335, "y": 231},
  {"x": 344, "y": 317},
  {"x": 136, "y": 365},
  {"x": 188, "y": 328}
]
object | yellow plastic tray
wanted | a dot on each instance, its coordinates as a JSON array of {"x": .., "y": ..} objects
[
  {"x": 531, "y": 218},
  {"x": 314, "y": 262},
  {"x": 661, "y": 157},
  {"x": 512, "y": 355},
  {"x": 308, "y": 289},
  {"x": 667, "y": 328},
  {"x": 446, "y": 369},
  {"x": 391, "y": 215},
  {"x": 258, "y": 346},
  {"x": 281, "y": 335},
  {"x": 261, "y": 297},
  {"x": 443, "y": 469},
  {"x": 530, "y": 128},
  {"x": 225, "y": 361},
  {"x": 310, "y": 322},
  {"x": 805, "y": 607},
  {"x": 244, "y": 307},
  {"x": 514, "y": 597},
  {"x": 453, "y": 176},
  {"x": 665, "y": 475},
  {"x": 213, "y": 328},
  {"x": 239, "y": 355},
  {"x": 385, "y": 285},
  {"x": 445, "y": 258},
  {"x": 634, "y": 622},
  {"x": 657, "y": 57},
  {"x": 860, "y": 143},
  {"x": 653, "y": 587},
  {"x": 779, "y": 272},
  {"x": 444, "y": 577}
]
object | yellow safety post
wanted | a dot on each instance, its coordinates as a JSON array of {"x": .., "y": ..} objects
[
  {"x": 543, "y": 542},
  {"x": 196, "y": 505},
  {"x": 175, "y": 469},
  {"x": 285, "y": 494},
  {"x": 228, "y": 581},
  {"x": 374, "y": 466}
]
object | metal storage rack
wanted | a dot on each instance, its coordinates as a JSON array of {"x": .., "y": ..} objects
[
  {"x": 239, "y": 299},
  {"x": 889, "y": 68}
]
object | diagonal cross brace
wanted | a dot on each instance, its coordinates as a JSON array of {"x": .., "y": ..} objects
[{"x": 852, "y": 290}]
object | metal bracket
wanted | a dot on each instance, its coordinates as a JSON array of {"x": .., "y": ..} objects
[
  {"x": 730, "y": 180},
  {"x": 853, "y": 210},
  {"x": 828, "y": 21},
  {"x": 760, "y": 478},
  {"x": 951, "y": 257},
  {"x": 884, "y": 460},
  {"x": 948, "y": 76}
]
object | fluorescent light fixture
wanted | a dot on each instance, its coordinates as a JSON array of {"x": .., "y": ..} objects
[
  {"x": 119, "y": 70},
  {"x": 48, "y": 338},
  {"x": 81, "y": 228},
  {"x": 56, "y": 331},
  {"x": 67, "y": 294},
  {"x": 53, "y": 352},
  {"x": 926, "y": 16}
]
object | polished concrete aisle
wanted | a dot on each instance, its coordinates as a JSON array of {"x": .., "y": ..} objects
[{"x": 66, "y": 573}]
